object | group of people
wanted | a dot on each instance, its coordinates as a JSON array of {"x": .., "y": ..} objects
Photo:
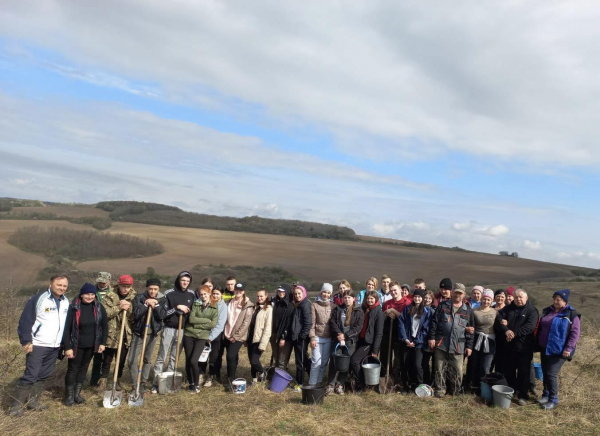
[{"x": 424, "y": 337}]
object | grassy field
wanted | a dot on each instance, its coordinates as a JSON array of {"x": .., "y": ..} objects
[{"x": 259, "y": 411}]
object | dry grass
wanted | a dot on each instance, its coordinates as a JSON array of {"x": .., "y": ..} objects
[{"x": 260, "y": 411}]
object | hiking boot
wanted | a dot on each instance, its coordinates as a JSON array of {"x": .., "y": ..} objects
[
  {"x": 339, "y": 389},
  {"x": 101, "y": 386},
  {"x": 20, "y": 396},
  {"x": 78, "y": 398},
  {"x": 34, "y": 397},
  {"x": 543, "y": 400},
  {"x": 118, "y": 387},
  {"x": 69, "y": 395},
  {"x": 208, "y": 383},
  {"x": 329, "y": 389}
]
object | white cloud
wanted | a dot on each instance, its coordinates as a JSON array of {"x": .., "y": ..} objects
[
  {"x": 22, "y": 181},
  {"x": 481, "y": 229},
  {"x": 532, "y": 245}
]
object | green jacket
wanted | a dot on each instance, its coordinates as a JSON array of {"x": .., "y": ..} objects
[
  {"x": 201, "y": 320},
  {"x": 115, "y": 315}
]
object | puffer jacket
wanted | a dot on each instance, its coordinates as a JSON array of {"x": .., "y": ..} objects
[
  {"x": 115, "y": 316},
  {"x": 301, "y": 321},
  {"x": 262, "y": 327},
  {"x": 201, "y": 320},
  {"x": 352, "y": 331},
  {"x": 140, "y": 311},
  {"x": 321, "y": 314},
  {"x": 240, "y": 329},
  {"x": 448, "y": 328},
  {"x": 405, "y": 327},
  {"x": 523, "y": 325}
]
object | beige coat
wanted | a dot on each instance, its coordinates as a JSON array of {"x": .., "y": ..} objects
[
  {"x": 321, "y": 313},
  {"x": 242, "y": 324},
  {"x": 262, "y": 327}
]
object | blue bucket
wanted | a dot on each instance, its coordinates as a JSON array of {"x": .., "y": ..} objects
[
  {"x": 486, "y": 392},
  {"x": 538, "y": 371}
]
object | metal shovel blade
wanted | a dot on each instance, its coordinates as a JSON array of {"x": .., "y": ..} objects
[
  {"x": 112, "y": 399},
  {"x": 136, "y": 399},
  {"x": 174, "y": 382}
]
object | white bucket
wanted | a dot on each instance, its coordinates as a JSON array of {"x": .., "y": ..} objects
[
  {"x": 205, "y": 354},
  {"x": 239, "y": 386},
  {"x": 424, "y": 391}
]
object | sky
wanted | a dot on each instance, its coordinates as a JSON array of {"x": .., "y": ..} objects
[{"x": 470, "y": 124}]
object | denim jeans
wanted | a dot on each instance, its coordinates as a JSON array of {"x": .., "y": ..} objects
[
  {"x": 551, "y": 366},
  {"x": 319, "y": 360}
]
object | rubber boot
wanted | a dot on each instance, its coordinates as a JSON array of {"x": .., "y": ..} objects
[
  {"x": 20, "y": 396},
  {"x": 101, "y": 386},
  {"x": 69, "y": 395},
  {"x": 34, "y": 398},
  {"x": 78, "y": 398}
]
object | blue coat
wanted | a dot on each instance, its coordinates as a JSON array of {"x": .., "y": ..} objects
[{"x": 405, "y": 327}]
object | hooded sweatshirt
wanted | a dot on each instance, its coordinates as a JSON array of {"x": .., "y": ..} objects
[{"x": 175, "y": 297}]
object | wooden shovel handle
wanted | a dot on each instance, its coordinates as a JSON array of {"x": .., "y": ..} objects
[
  {"x": 123, "y": 321},
  {"x": 141, "y": 361}
]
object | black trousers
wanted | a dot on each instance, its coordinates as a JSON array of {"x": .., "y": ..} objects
[
  {"x": 78, "y": 366},
  {"x": 254, "y": 357},
  {"x": 96, "y": 368},
  {"x": 517, "y": 366},
  {"x": 362, "y": 350},
  {"x": 214, "y": 358},
  {"x": 426, "y": 363},
  {"x": 413, "y": 362},
  {"x": 193, "y": 349},
  {"x": 398, "y": 371},
  {"x": 301, "y": 357},
  {"x": 332, "y": 373},
  {"x": 107, "y": 358},
  {"x": 233, "y": 358},
  {"x": 39, "y": 365}
]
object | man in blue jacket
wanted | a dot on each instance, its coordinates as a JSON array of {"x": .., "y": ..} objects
[
  {"x": 40, "y": 332},
  {"x": 448, "y": 336}
]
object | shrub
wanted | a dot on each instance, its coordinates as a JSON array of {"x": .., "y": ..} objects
[{"x": 82, "y": 244}]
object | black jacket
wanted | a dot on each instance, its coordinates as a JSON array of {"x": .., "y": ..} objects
[
  {"x": 282, "y": 317},
  {"x": 140, "y": 311},
  {"x": 174, "y": 297},
  {"x": 374, "y": 331},
  {"x": 301, "y": 321},
  {"x": 70, "y": 339},
  {"x": 447, "y": 328},
  {"x": 523, "y": 325},
  {"x": 336, "y": 326}
]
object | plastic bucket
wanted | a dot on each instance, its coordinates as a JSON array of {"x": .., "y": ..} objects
[
  {"x": 165, "y": 381},
  {"x": 371, "y": 370},
  {"x": 424, "y": 391},
  {"x": 312, "y": 395},
  {"x": 502, "y": 396},
  {"x": 205, "y": 353},
  {"x": 341, "y": 358},
  {"x": 239, "y": 386},
  {"x": 537, "y": 367},
  {"x": 280, "y": 381},
  {"x": 486, "y": 392}
]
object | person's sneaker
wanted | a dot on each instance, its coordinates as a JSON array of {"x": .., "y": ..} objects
[
  {"x": 194, "y": 389},
  {"x": 549, "y": 406},
  {"x": 339, "y": 389},
  {"x": 296, "y": 387},
  {"x": 329, "y": 389},
  {"x": 208, "y": 383},
  {"x": 543, "y": 400},
  {"x": 154, "y": 389},
  {"x": 522, "y": 402},
  {"x": 439, "y": 394},
  {"x": 262, "y": 376}
]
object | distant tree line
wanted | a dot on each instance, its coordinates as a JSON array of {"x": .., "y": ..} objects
[
  {"x": 96, "y": 222},
  {"x": 82, "y": 244},
  {"x": 158, "y": 214},
  {"x": 506, "y": 253}
]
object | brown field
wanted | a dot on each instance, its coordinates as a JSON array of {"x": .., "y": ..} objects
[
  {"x": 70, "y": 211},
  {"x": 312, "y": 259}
]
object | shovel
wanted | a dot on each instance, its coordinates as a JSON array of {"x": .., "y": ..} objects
[
  {"x": 174, "y": 381},
  {"x": 113, "y": 398},
  {"x": 135, "y": 399},
  {"x": 386, "y": 386}
]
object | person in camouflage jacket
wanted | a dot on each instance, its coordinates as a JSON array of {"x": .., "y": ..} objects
[{"x": 115, "y": 302}]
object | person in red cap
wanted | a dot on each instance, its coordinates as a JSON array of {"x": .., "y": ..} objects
[
  {"x": 115, "y": 302},
  {"x": 510, "y": 295}
]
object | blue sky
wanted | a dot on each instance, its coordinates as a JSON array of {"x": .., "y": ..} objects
[{"x": 453, "y": 124}]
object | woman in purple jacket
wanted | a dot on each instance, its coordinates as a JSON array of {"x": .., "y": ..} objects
[{"x": 557, "y": 338}]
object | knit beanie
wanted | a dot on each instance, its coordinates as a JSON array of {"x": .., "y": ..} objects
[
  {"x": 328, "y": 287},
  {"x": 564, "y": 294},
  {"x": 153, "y": 282},
  {"x": 477, "y": 288},
  {"x": 87, "y": 288},
  {"x": 510, "y": 290},
  {"x": 446, "y": 284},
  {"x": 488, "y": 293},
  {"x": 419, "y": 292}
]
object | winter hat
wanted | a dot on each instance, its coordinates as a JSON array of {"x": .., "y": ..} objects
[
  {"x": 126, "y": 280},
  {"x": 446, "y": 284},
  {"x": 87, "y": 288},
  {"x": 459, "y": 287},
  {"x": 510, "y": 290},
  {"x": 487, "y": 293},
  {"x": 284, "y": 287},
  {"x": 239, "y": 287},
  {"x": 103, "y": 277},
  {"x": 327, "y": 287},
  {"x": 153, "y": 282},
  {"x": 477, "y": 288},
  {"x": 564, "y": 294},
  {"x": 405, "y": 286},
  {"x": 420, "y": 292}
]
